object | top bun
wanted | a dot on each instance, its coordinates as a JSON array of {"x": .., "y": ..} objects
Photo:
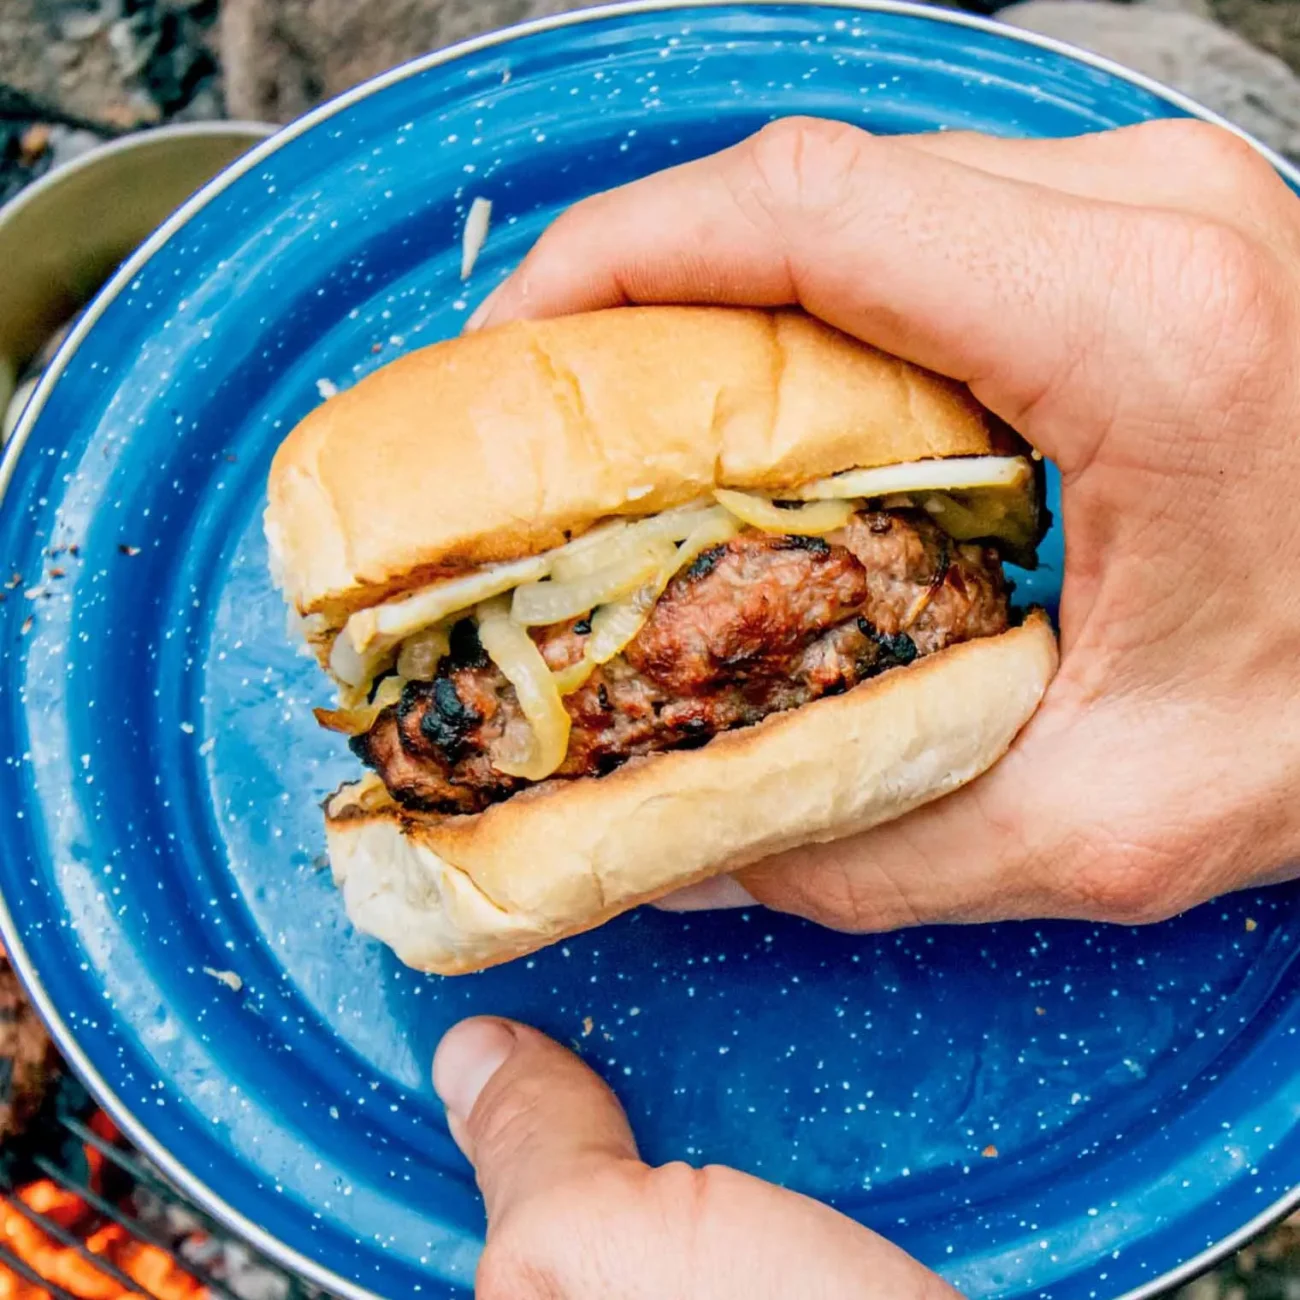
[{"x": 498, "y": 444}]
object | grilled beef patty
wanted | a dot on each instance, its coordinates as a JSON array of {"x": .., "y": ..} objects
[{"x": 754, "y": 626}]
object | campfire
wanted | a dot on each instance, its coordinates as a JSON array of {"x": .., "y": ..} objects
[
  {"x": 83, "y": 1216},
  {"x": 57, "y": 1240}
]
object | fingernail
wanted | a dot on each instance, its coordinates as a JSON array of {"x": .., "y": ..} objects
[
  {"x": 468, "y": 1056},
  {"x": 483, "y": 310},
  {"x": 709, "y": 895}
]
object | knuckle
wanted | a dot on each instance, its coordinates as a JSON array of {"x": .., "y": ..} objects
[
  {"x": 682, "y": 1187},
  {"x": 1208, "y": 261},
  {"x": 687, "y": 1198},
  {"x": 504, "y": 1273},
  {"x": 1191, "y": 143},
  {"x": 570, "y": 227},
  {"x": 575, "y": 1241},
  {"x": 1125, "y": 884},
  {"x": 838, "y": 901},
  {"x": 1223, "y": 296},
  {"x": 829, "y": 892},
  {"x": 533, "y": 1250},
  {"x": 806, "y": 163},
  {"x": 504, "y": 1120},
  {"x": 1240, "y": 283},
  {"x": 1229, "y": 268}
]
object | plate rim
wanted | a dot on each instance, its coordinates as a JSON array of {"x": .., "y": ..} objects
[{"x": 280, "y": 1252}]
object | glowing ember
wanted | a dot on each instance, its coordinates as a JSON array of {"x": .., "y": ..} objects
[{"x": 154, "y": 1270}]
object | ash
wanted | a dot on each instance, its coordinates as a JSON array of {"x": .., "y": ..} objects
[{"x": 238, "y": 1268}]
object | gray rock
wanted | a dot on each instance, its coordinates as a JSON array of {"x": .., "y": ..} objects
[
  {"x": 66, "y": 144},
  {"x": 1217, "y": 68},
  {"x": 1201, "y": 8},
  {"x": 1205, "y": 1288},
  {"x": 205, "y": 105},
  {"x": 64, "y": 55},
  {"x": 82, "y": 24},
  {"x": 133, "y": 42},
  {"x": 280, "y": 57},
  {"x": 80, "y": 78}
]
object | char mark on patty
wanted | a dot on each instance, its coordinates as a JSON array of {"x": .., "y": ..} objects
[{"x": 751, "y": 627}]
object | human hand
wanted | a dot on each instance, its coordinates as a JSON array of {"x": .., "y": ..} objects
[
  {"x": 1130, "y": 302},
  {"x": 574, "y": 1214}
]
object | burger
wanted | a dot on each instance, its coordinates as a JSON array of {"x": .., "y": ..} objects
[{"x": 622, "y": 600}]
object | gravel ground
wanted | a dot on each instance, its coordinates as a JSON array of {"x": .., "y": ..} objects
[
  {"x": 73, "y": 72},
  {"x": 1273, "y": 25}
]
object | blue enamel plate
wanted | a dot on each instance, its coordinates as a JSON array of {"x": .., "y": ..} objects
[{"x": 1056, "y": 1110}]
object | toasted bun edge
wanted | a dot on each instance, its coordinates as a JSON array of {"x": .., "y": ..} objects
[
  {"x": 454, "y": 895},
  {"x": 498, "y": 444}
]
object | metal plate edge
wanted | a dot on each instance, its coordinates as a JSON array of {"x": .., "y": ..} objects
[{"x": 192, "y": 1186}]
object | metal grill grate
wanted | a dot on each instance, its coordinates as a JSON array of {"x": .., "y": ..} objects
[
  {"x": 60, "y": 1234},
  {"x": 129, "y": 1193}
]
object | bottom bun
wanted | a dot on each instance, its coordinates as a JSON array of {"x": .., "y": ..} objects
[{"x": 456, "y": 894}]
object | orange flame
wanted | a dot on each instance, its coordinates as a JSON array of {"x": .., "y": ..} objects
[
  {"x": 103, "y": 1127},
  {"x": 153, "y": 1269}
]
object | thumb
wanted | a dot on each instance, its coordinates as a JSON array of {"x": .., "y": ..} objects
[
  {"x": 1009, "y": 845},
  {"x": 527, "y": 1113},
  {"x": 971, "y": 856},
  {"x": 1068, "y": 824}
]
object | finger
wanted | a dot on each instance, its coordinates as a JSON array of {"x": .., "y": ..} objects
[
  {"x": 738, "y": 1237},
  {"x": 1146, "y": 166},
  {"x": 1004, "y": 847},
  {"x": 952, "y": 862},
  {"x": 860, "y": 230},
  {"x": 527, "y": 1113},
  {"x": 684, "y": 237},
  {"x": 707, "y": 895},
  {"x": 962, "y": 859},
  {"x": 1183, "y": 165},
  {"x": 965, "y": 857},
  {"x": 1026, "y": 840}
]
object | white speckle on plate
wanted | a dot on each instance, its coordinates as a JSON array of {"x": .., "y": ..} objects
[{"x": 327, "y": 388}]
